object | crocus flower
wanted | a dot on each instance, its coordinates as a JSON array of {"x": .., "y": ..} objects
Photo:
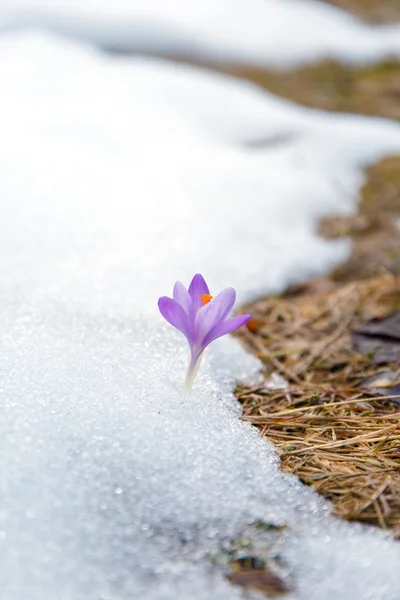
[{"x": 200, "y": 317}]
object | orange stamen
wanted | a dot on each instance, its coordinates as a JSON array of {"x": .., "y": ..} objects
[{"x": 205, "y": 298}]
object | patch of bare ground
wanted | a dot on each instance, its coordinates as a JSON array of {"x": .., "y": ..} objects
[
  {"x": 372, "y": 11},
  {"x": 374, "y": 228},
  {"x": 331, "y": 427},
  {"x": 328, "y": 85}
]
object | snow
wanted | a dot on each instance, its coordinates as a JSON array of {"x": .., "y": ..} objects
[
  {"x": 266, "y": 32},
  {"x": 119, "y": 176}
]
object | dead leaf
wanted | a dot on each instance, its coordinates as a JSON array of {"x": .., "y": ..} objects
[
  {"x": 262, "y": 580},
  {"x": 380, "y": 338},
  {"x": 383, "y": 383}
]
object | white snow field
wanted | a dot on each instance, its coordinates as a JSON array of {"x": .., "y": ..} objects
[
  {"x": 266, "y": 32},
  {"x": 117, "y": 177}
]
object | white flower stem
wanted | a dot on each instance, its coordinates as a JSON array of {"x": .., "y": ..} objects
[{"x": 191, "y": 372}]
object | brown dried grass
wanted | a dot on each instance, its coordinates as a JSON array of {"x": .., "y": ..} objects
[
  {"x": 373, "y": 11},
  {"x": 341, "y": 439},
  {"x": 329, "y": 85}
]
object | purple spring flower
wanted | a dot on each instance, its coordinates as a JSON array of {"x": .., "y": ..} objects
[{"x": 200, "y": 317}]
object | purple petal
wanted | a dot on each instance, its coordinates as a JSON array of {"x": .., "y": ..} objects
[
  {"x": 182, "y": 297},
  {"x": 175, "y": 315},
  {"x": 214, "y": 312},
  {"x": 224, "y": 328},
  {"x": 198, "y": 287}
]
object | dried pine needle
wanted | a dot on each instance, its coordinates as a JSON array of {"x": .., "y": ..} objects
[{"x": 341, "y": 439}]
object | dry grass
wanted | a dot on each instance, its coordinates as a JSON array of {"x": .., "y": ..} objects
[
  {"x": 329, "y": 85},
  {"x": 373, "y": 11},
  {"x": 341, "y": 439},
  {"x": 374, "y": 229}
]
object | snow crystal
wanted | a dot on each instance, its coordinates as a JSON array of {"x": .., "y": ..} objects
[
  {"x": 266, "y": 32},
  {"x": 117, "y": 178}
]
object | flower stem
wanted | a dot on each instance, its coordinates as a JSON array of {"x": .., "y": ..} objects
[{"x": 191, "y": 372}]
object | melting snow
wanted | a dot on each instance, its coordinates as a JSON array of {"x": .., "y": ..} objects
[
  {"x": 117, "y": 178},
  {"x": 272, "y": 32}
]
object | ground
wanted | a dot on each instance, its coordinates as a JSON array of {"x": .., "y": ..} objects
[
  {"x": 331, "y": 425},
  {"x": 369, "y": 90},
  {"x": 373, "y": 11}
]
